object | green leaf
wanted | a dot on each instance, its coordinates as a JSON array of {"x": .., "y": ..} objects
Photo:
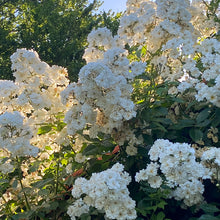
[
  {"x": 48, "y": 148},
  {"x": 91, "y": 149},
  {"x": 15, "y": 184},
  {"x": 161, "y": 91},
  {"x": 60, "y": 126},
  {"x": 85, "y": 217},
  {"x": 143, "y": 51},
  {"x": 160, "y": 216},
  {"x": 216, "y": 119},
  {"x": 203, "y": 124},
  {"x": 195, "y": 134},
  {"x": 157, "y": 125},
  {"x": 41, "y": 215},
  {"x": 162, "y": 204},
  {"x": 178, "y": 100},
  {"x": 25, "y": 215},
  {"x": 34, "y": 167},
  {"x": 64, "y": 162},
  {"x": 203, "y": 115},
  {"x": 44, "y": 192},
  {"x": 209, "y": 208},
  {"x": 60, "y": 116},
  {"x": 142, "y": 151},
  {"x": 40, "y": 184},
  {"x": 208, "y": 217},
  {"x": 44, "y": 130},
  {"x": 154, "y": 208},
  {"x": 184, "y": 123},
  {"x": 143, "y": 204},
  {"x": 162, "y": 120},
  {"x": 143, "y": 212},
  {"x": 3, "y": 181},
  {"x": 54, "y": 205},
  {"x": 160, "y": 111},
  {"x": 191, "y": 104}
]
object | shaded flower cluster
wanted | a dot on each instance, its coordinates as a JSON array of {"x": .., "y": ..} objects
[
  {"x": 107, "y": 192},
  {"x": 175, "y": 165}
]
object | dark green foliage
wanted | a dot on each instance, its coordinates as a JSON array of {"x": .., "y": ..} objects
[{"x": 56, "y": 29}]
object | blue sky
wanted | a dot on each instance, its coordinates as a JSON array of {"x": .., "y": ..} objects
[{"x": 115, "y": 5}]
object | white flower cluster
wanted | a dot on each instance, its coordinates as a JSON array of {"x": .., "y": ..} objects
[
  {"x": 212, "y": 154},
  {"x": 15, "y": 136},
  {"x": 8, "y": 92},
  {"x": 174, "y": 164},
  {"x": 41, "y": 84},
  {"x": 211, "y": 159},
  {"x": 207, "y": 82},
  {"x": 6, "y": 167},
  {"x": 107, "y": 192},
  {"x": 174, "y": 27},
  {"x": 140, "y": 17},
  {"x": 209, "y": 49},
  {"x": 158, "y": 24},
  {"x": 100, "y": 41},
  {"x": 35, "y": 93},
  {"x": 103, "y": 90}
]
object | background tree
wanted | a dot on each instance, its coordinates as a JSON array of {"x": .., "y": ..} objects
[
  {"x": 56, "y": 29},
  {"x": 8, "y": 35}
]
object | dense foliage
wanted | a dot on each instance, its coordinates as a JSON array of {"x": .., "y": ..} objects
[
  {"x": 56, "y": 29},
  {"x": 137, "y": 137}
]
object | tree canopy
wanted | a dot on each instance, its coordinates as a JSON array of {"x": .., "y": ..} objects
[{"x": 56, "y": 29}]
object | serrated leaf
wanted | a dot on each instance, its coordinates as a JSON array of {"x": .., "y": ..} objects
[
  {"x": 64, "y": 162},
  {"x": 48, "y": 148},
  {"x": 143, "y": 212},
  {"x": 154, "y": 208},
  {"x": 44, "y": 130},
  {"x": 162, "y": 204},
  {"x": 195, "y": 134},
  {"x": 160, "y": 216}
]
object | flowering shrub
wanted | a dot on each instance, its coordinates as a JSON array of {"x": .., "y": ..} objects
[
  {"x": 135, "y": 138},
  {"x": 110, "y": 195}
]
